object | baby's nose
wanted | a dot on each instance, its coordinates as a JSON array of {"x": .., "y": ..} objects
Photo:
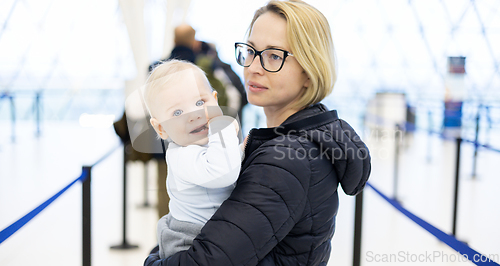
[{"x": 195, "y": 115}]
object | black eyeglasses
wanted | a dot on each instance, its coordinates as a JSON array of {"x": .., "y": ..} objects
[{"x": 271, "y": 59}]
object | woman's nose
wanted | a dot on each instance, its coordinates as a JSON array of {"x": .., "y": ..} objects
[{"x": 256, "y": 66}]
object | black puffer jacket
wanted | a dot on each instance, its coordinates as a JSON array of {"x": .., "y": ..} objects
[{"x": 282, "y": 211}]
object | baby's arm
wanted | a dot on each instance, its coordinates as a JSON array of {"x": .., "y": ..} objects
[{"x": 215, "y": 166}]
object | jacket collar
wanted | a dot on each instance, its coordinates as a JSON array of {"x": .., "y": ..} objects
[
  {"x": 305, "y": 119},
  {"x": 309, "y": 111},
  {"x": 308, "y": 118}
]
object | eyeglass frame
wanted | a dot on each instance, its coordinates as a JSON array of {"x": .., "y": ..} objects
[{"x": 258, "y": 53}]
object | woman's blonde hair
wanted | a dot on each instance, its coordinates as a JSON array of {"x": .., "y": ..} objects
[{"x": 310, "y": 40}]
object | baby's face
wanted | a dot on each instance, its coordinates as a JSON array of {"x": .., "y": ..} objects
[{"x": 184, "y": 109}]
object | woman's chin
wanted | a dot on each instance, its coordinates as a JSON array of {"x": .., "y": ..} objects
[{"x": 257, "y": 101}]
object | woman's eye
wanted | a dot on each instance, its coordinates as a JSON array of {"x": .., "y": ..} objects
[
  {"x": 275, "y": 57},
  {"x": 250, "y": 51},
  {"x": 177, "y": 112},
  {"x": 200, "y": 103}
]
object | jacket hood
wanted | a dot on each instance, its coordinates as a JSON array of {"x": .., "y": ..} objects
[{"x": 336, "y": 140}]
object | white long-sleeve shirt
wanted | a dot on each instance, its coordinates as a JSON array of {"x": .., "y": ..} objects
[{"x": 201, "y": 177}]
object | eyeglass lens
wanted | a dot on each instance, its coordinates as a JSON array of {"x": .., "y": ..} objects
[{"x": 271, "y": 59}]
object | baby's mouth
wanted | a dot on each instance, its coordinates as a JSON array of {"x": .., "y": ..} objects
[{"x": 199, "y": 129}]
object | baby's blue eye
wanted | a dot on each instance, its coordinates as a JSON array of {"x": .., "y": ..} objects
[
  {"x": 177, "y": 112},
  {"x": 200, "y": 103}
]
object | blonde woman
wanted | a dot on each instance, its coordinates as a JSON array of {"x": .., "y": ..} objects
[{"x": 282, "y": 210}]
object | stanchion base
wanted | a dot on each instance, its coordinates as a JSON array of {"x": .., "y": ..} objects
[
  {"x": 398, "y": 200},
  {"x": 124, "y": 245}
]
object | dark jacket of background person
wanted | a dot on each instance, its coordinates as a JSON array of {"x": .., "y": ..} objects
[
  {"x": 183, "y": 53},
  {"x": 180, "y": 53},
  {"x": 145, "y": 140},
  {"x": 283, "y": 209},
  {"x": 206, "y": 63}
]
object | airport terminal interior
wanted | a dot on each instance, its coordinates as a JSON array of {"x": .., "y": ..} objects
[{"x": 418, "y": 80}]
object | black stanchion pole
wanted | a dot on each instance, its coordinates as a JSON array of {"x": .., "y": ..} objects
[
  {"x": 124, "y": 244},
  {"x": 358, "y": 221},
  {"x": 396, "y": 161},
  {"x": 474, "y": 162},
  {"x": 86, "y": 217},
  {"x": 13, "y": 118},
  {"x": 457, "y": 175},
  {"x": 146, "y": 202}
]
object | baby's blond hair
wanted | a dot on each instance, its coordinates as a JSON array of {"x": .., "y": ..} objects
[{"x": 162, "y": 77}]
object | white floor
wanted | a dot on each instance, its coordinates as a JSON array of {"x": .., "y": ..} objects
[{"x": 33, "y": 169}]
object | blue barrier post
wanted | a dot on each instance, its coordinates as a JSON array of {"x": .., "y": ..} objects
[
  {"x": 358, "y": 222},
  {"x": 490, "y": 123},
  {"x": 396, "y": 161},
  {"x": 474, "y": 162},
  {"x": 429, "y": 137},
  {"x": 13, "y": 118},
  {"x": 37, "y": 112},
  {"x": 457, "y": 175},
  {"x": 86, "y": 217}
]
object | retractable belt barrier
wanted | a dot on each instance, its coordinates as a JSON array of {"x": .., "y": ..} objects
[
  {"x": 469, "y": 253},
  {"x": 11, "y": 229},
  {"x": 85, "y": 179},
  {"x": 474, "y": 256}
]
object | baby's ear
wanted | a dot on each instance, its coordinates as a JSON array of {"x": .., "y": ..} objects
[
  {"x": 214, "y": 93},
  {"x": 158, "y": 128}
]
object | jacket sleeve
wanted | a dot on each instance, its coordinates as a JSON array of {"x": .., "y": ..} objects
[{"x": 268, "y": 200}]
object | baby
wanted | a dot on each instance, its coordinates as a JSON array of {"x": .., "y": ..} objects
[{"x": 203, "y": 155}]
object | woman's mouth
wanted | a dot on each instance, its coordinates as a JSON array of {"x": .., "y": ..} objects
[
  {"x": 255, "y": 87},
  {"x": 200, "y": 130}
]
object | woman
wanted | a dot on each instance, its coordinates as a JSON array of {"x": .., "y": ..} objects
[{"x": 282, "y": 211}]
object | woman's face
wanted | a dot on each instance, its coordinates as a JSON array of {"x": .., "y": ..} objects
[{"x": 273, "y": 90}]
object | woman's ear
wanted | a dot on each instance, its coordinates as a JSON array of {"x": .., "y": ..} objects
[
  {"x": 158, "y": 128},
  {"x": 307, "y": 83}
]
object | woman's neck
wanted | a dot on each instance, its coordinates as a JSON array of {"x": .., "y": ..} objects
[{"x": 275, "y": 116}]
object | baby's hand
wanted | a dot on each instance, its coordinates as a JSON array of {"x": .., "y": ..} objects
[
  {"x": 236, "y": 125},
  {"x": 221, "y": 122},
  {"x": 245, "y": 143},
  {"x": 212, "y": 112}
]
